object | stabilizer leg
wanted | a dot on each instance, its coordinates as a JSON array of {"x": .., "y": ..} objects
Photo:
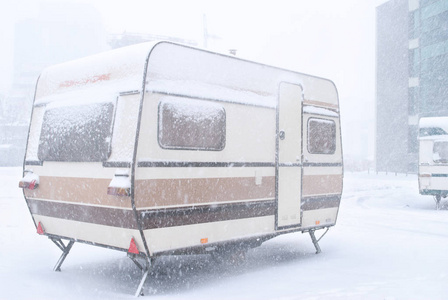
[
  {"x": 316, "y": 241},
  {"x": 139, "y": 291},
  {"x": 437, "y": 198},
  {"x": 145, "y": 267},
  {"x": 65, "y": 251}
]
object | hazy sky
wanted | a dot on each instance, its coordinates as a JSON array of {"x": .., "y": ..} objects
[{"x": 327, "y": 38}]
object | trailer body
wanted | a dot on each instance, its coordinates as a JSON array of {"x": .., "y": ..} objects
[
  {"x": 433, "y": 157},
  {"x": 173, "y": 149}
]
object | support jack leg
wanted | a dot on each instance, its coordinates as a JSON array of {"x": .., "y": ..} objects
[
  {"x": 65, "y": 251},
  {"x": 139, "y": 291},
  {"x": 437, "y": 198},
  {"x": 145, "y": 268},
  {"x": 316, "y": 241}
]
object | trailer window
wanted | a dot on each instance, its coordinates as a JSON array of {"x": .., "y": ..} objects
[
  {"x": 428, "y": 131},
  {"x": 191, "y": 125},
  {"x": 321, "y": 136},
  {"x": 440, "y": 151},
  {"x": 76, "y": 133}
]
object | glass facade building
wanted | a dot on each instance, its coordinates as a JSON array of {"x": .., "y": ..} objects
[{"x": 419, "y": 60}]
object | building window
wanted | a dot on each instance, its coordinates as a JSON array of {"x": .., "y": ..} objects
[
  {"x": 434, "y": 9},
  {"x": 414, "y": 24},
  {"x": 413, "y": 101},
  {"x": 413, "y": 139},
  {"x": 191, "y": 125},
  {"x": 414, "y": 62},
  {"x": 424, "y": 3},
  {"x": 434, "y": 50},
  {"x": 77, "y": 133},
  {"x": 321, "y": 136}
]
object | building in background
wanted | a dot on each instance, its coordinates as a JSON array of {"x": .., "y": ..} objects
[
  {"x": 59, "y": 32},
  {"x": 130, "y": 38},
  {"x": 411, "y": 79}
]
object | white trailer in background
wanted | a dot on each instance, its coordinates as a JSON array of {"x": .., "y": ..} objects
[
  {"x": 433, "y": 157},
  {"x": 161, "y": 149}
]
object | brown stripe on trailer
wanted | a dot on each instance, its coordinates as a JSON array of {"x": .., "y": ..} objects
[
  {"x": 175, "y": 192},
  {"x": 108, "y": 216},
  {"x": 162, "y": 218},
  {"x": 91, "y": 191},
  {"x": 321, "y": 184},
  {"x": 157, "y": 218},
  {"x": 312, "y": 203}
]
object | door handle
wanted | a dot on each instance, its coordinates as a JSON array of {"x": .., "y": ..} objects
[{"x": 281, "y": 134}]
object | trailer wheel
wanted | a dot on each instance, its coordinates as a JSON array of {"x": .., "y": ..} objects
[
  {"x": 234, "y": 257},
  {"x": 237, "y": 257}
]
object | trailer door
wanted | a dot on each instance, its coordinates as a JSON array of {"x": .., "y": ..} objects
[{"x": 289, "y": 156}]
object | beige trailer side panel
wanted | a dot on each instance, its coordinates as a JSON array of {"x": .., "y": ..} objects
[{"x": 177, "y": 190}]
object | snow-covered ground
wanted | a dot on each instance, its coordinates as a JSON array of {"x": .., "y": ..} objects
[{"x": 389, "y": 243}]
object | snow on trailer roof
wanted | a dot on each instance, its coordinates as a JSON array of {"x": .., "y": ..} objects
[
  {"x": 433, "y": 126},
  {"x": 320, "y": 111},
  {"x": 120, "y": 70},
  {"x": 434, "y": 122},
  {"x": 173, "y": 69},
  {"x": 185, "y": 69}
]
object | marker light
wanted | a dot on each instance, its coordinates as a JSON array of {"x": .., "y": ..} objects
[
  {"x": 204, "y": 241},
  {"x": 30, "y": 181},
  {"x": 133, "y": 247},
  {"x": 40, "y": 229}
]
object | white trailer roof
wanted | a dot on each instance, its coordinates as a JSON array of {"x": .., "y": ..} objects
[
  {"x": 177, "y": 69},
  {"x": 116, "y": 70},
  {"x": 433, "y": 127},
  {"x": 441, "y": 122},
  {"x": 174, "y": 69},
  {"x": 434, "y": 122}
]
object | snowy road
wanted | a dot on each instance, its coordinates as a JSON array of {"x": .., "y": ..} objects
[{"x": 389, "y": 243}]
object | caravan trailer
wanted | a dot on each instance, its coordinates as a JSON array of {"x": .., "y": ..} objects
[
  {"x": 433, "y": 157},
  {"x": 164, "y": 149}
]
